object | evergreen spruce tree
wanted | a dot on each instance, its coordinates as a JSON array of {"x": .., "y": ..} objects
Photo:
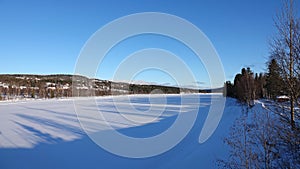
[{"x": 274, "y": 84}]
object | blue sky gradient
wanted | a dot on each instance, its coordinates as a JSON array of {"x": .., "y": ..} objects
[{"x": 45, "y": 37}]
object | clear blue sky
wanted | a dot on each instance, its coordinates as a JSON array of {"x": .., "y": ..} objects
[{"x": 45, "y": 37}]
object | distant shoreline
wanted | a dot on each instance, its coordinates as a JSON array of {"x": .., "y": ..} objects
[{"x": 32, "y": 86}]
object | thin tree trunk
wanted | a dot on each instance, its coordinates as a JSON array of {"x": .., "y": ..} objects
[{"x": 291, "y": 66}]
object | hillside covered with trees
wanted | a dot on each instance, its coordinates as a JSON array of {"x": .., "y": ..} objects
[{"x": 20, "y": 86}]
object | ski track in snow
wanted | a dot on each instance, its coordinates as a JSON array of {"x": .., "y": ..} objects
[{"x": 47, "y": 133}]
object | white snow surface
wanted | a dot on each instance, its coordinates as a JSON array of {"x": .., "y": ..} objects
[{"x": 47, "y": 134}]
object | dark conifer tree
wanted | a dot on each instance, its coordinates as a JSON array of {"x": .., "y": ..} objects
[{"x": 274, "y": 84}]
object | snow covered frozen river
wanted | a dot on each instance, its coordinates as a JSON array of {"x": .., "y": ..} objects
[{"x": 47, "y": 133}]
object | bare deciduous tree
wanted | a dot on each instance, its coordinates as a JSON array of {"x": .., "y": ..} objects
[{"x": 285, "y": 49}]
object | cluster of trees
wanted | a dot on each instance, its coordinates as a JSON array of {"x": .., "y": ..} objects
[
  {"x": 270, "y": 137},
  {"x": 247, "y": 86}
]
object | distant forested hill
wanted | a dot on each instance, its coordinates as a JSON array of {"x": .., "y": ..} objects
[{"x": 13, "y": 86}]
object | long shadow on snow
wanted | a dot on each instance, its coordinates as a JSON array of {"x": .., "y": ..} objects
[{"x": 84, "y": 153}]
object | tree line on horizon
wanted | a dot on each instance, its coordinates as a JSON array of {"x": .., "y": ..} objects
[{"x": 21, "y": 86}]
